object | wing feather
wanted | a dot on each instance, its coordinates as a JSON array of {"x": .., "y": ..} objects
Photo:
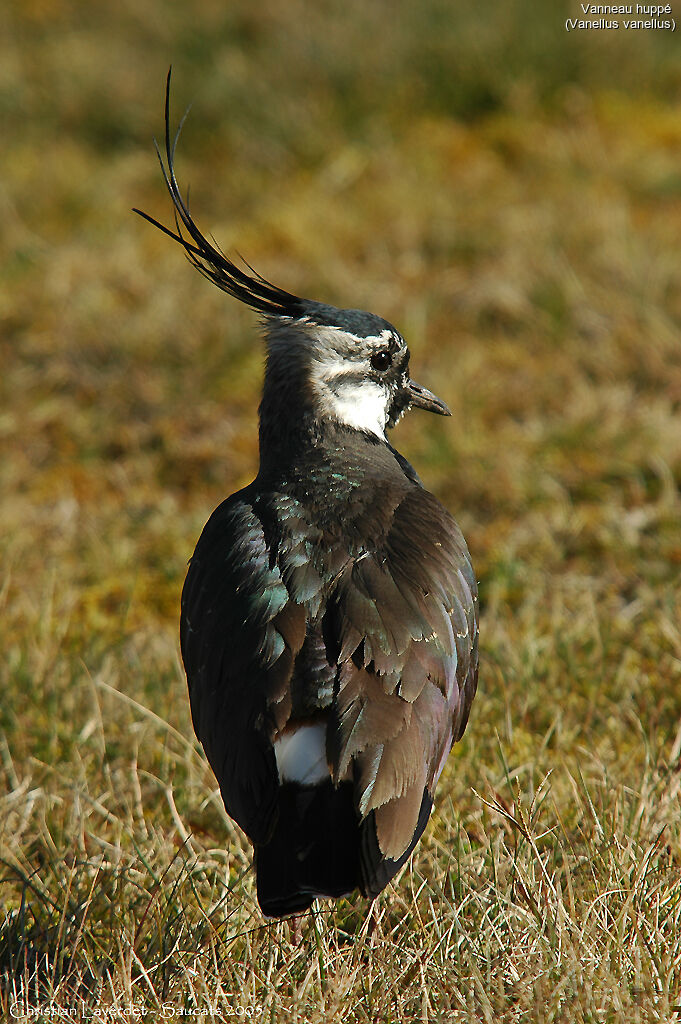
[
  {"x": 240, "y": 635},
  {"x": 406, "y": 618}
]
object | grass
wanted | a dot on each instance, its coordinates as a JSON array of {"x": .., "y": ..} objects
[{"x": 509, "y": 196}]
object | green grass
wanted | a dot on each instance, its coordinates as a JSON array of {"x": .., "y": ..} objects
[{"x": 508, "y": 195}]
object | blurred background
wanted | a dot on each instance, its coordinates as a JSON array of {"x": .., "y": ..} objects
[{"x": 506, "y": 193}]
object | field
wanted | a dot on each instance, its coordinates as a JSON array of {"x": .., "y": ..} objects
[{"x": 509, "y": 195}]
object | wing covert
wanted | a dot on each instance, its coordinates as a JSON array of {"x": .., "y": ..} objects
[
  {"x": 406, "y": 619},
  {"x": 239, "y": 635}
]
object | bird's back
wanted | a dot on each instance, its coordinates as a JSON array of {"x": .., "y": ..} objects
[{"x": 329, "y": 634}]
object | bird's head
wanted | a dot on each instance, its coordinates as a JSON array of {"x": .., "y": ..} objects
[
  {"x": 353, "y": 367},
  {"x": 328, "y": 364}
]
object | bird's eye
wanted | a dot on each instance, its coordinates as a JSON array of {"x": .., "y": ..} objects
[{"x": 381, "y": 360}]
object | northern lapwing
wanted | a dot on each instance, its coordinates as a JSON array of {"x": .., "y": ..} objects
[{"x": 329, "y": 622}]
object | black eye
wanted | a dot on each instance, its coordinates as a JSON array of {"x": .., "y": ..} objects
[{"x": 381, "y": 360}]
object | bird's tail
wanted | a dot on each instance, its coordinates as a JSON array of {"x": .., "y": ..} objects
[{"x": 313, "y": 851}]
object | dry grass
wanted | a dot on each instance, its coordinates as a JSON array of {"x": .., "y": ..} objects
[{"x": 512, "y": 200}]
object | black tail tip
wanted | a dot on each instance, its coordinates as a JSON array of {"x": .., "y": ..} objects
[
  {"x": 313, "y": 850},
  {"x": 276, "y": 906}
]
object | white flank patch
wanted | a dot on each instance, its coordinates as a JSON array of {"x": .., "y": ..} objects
[
  {"x": 301, "y": 755},
  {"x": 362, "y": 406}
]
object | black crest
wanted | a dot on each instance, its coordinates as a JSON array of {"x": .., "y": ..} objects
[{"x": 209, "y": 260}]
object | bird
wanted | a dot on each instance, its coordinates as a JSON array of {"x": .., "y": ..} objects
[{"x": 329, "y": 615}]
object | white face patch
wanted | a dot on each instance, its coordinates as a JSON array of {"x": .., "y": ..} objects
[
  {"x": 362, "y": 406},
  {"x": 301, "y": 755},
  {"x": 358, "y": 403}
]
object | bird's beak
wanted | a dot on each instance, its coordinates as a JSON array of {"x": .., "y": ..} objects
[{"x": 422, "y": 398}]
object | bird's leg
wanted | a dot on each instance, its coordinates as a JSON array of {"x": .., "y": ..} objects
[{"x": 295, "y": 925}]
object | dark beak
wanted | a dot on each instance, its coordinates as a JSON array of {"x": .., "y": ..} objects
[{"x": 422, "y": 398}]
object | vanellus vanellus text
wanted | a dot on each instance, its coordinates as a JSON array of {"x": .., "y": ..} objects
[{"x": 329, "y": 624}]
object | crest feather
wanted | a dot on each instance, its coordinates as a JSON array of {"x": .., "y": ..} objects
[{"x": 252, "y": 289}]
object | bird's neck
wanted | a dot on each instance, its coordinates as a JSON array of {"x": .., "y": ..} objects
[
  {"x": 288, "y": 430},
  {"x": 287, "y": 421},
  {"x": 295, "y": 444},
  {"x": 297, "y": 432}
]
